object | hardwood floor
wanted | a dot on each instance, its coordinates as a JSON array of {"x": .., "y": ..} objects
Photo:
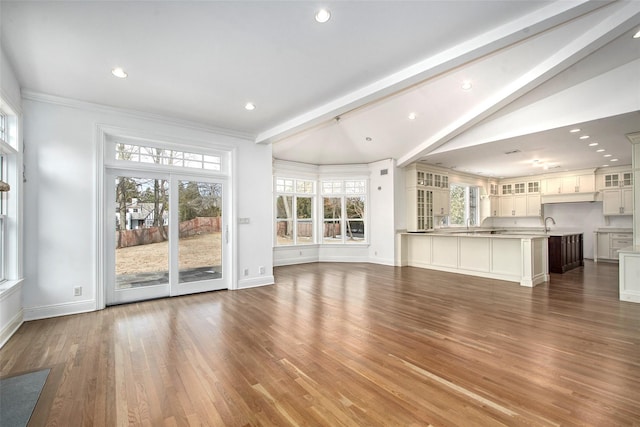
[{"x": 347, "y": 345}]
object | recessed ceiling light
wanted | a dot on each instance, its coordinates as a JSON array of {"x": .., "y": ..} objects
[
  {"x": 605, "y": 166},
  {"x": 466, "y": 85},
  {"x": 119, "y": 72},
  {"x": 600, "y": 150},
  {"x": 637, "y": 35},
  {"x": 613, "y": 160},
  {"x": 593, "y": 144},
  {"x": 250, "y": 106},
  {"x": 607, "y": 155},
  {"x": 412, "y": 116},
  {"x": 584, "y": 137},
  {"x": 323, "y": 15},
  {"x": 575, "y": 130}
]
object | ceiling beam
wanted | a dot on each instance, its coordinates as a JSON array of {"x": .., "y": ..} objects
[
  {"x": 533, "y": 23},
  {"x": 618, "y": 18}
]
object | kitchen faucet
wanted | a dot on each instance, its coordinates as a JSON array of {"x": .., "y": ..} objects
[{"x": 553, "y": 221}]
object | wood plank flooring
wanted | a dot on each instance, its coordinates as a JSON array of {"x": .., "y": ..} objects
[{"x": 347, "y": 345}]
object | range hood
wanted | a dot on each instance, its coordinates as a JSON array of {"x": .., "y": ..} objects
[{"x": 569, "y": 197}]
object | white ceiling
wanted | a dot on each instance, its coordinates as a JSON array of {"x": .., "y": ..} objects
[{"x": 537, "y": 67}]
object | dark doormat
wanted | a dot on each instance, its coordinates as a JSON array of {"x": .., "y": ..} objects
[{"x": 18, "y": 397}]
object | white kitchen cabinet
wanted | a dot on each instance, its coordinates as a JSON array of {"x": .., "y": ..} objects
[
  {"x": 519, "y": 199},
  {"x": 507, "y": 206},
  {"x": 568, "y": 184},
  {"x": 419, "y": 209},
  {"x": 494, "y": 206},
  {"x": 608, "y": 244},
  {"x": 617, "y": 202},
  {"x": 617, "y": 179},
  {"x": 534, "y": 205}
]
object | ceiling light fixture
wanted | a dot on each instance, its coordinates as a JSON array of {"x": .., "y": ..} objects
[
  {"x": 250, "y": 106},
  {"x": 466, "y": 85},
  {"x": 119, "y": 73},
  {"x": 607, "y": 155},
  {"x": 412, "y": 116},
  {"x": 593, "y": 144},
  {"x": 600, "y": 150},
  {"x": 637, "y": 35},
  {"x": 605, "y": 166},
  {"x": 584, "y": 137},
  {"x": 613, "y": 160},
  {"x": 575, "y": 130},
  {"x": 323, "y": 15}
]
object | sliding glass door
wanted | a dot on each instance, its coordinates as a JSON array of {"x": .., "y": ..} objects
[{"x": 166, "y": 235}]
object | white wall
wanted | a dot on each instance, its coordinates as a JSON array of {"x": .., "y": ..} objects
[
  {"x": 60, "y": 199},
  {"x": 381, "y": 207}
]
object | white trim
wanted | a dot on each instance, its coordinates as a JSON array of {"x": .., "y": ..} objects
[
  {"x": 11, "y": 327},
  {"x": 99, "y": 108},
  {"x": 56, "y": 310},
  {"x": 255, "y": 282}
]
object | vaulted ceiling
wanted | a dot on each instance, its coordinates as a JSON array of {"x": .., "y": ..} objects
[{"x": 342, "y": 91}]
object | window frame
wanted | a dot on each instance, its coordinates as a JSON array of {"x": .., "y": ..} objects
[
  {"x": 467, "y": 214},
  {"x": 344, "y": 189},
  {"x": 286, "y": 186},
  {"x": 10, "y": 222}
]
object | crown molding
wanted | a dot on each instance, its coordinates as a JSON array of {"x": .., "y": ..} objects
[{"x": 101, "y": 108}]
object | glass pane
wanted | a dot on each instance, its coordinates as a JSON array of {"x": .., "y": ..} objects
[
  {"x": 142, "y": 231},
  {"x": 355, "y": 207},
  {"x": 457, "y": 206},
  {"x": 355, "y": 231},
  {"x": 332, "y": 207},
  {"x": 304, "y": 207},
  {"x": 331, "y": 232},
  {"x": 304, "y": 235},
  {"x": 200, "y": 231},
  {"x": 284, "y": 207},
  {"x": 304, "y": 186},
  {"x": 284, "y": 232}
]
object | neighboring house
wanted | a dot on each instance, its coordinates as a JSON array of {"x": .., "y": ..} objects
[{"x": 141, "y": 215}]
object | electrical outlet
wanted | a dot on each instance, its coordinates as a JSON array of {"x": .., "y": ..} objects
[
  {"x": 261, "y": 270},
  {"x": 246, "y": 271},
  {"x": 77, "y": 291}
]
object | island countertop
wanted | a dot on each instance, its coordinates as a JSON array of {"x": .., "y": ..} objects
[{"x": 513, "y": 255}]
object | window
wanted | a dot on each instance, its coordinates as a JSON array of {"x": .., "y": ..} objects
[
  {"x": 463, "y": 209},
  {"x": 8, "y": 208},
  {"x": 294, "y": 211},
  {"x": 344, "y": 208},
  {"x": 162, "y": 156},
  {"x": 3, "y": 215}
]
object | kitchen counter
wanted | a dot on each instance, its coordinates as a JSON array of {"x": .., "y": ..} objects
[{"x": 515, "y": 257}]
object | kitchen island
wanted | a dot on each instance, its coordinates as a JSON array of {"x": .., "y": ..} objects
[{"x": 514, "y": 257}]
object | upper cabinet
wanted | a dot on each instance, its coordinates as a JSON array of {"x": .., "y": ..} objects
[
  {"x": 575, "y": 186},
  {"x": 616, "y": 186},
  {"x": 568, "y": 184},
  {"x": 519, "y": 198},
  {"x": 616, "y": 180},
  {"x": 427, "y": 197}
]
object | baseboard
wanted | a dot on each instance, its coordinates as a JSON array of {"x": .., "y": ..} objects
[
  {"x": 256, "y": 282},
  {"x": 293, "y": 261},
  {"x": 11, "y": 327},
  {"x": 56, "y": 310}
]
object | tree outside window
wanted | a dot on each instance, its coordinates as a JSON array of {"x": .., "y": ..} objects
[{"x": 463, "y": 207}]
